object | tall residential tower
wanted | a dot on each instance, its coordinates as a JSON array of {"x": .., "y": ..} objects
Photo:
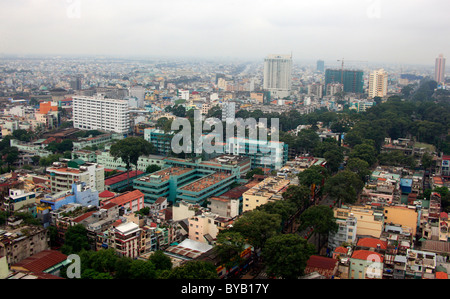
[
  {"x": 278, "y": 75},
  {"x": 439, "y": 70},
  {"x": 378, "y": 84}
]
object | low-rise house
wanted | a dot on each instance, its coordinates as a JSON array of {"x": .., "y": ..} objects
[
  {"x": 23, "y": 241},
  {"x": 17, "y": 199},
  {"x": 325, "y": 266},
  {"x": 366, "y": 264},
  {"x": 46, "y": 261},
  {"x": 131, "y": 200},
  {"x": 420, "y": 264}
]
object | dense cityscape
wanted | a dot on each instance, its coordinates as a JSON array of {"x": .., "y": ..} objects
[{"x": 136, "y": 168}]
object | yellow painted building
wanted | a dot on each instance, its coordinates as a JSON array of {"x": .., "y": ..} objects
[
  {"x": 401, "y": 215},
  {"x": 270, "y": 189},
  {"x": 368, "y": 222}
]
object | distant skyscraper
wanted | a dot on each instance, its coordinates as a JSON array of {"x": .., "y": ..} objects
[
  {"x": 76, "y": 84},
  {"x": 353, "y": 81},
  {"x": 139, "y": 93},
  {"x": 320, "y": 66},
  {"x": 378, "y": 84},
  {"x": 278, "y": 75},
  {"x": 439, "y": 70}
]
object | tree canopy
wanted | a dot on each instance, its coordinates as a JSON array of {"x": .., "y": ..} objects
[{"x": 286, "y": 255}]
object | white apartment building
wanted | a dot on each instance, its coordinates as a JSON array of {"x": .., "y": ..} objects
[
  {"x": 228, "y": 111},
  {"x": 125, "y": 239},
  {"x": 62, "y": 176},
  {"x": 378, "y": 84},
  {"x": 278, "y": 75},
  {"x": 263, "y": 154},
  {"x": 100, "y": 113}
]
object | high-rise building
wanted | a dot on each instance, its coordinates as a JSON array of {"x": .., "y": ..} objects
[
  {"x": 352, "y": 80},
  {"x": 228, "y": 111},
  {"x": 320, "y": 66},
  {"x": 100, "y": 113},
  {"x": 278, "y": 75},
  {"x": 139, "y": 93},
  {"x": 315, "y": 89},
  {"x": 439, "y": 70},
  {"x": 75, "y": 84},
  {"x": 378, "y": 84}
]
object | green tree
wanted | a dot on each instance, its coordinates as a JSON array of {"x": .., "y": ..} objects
[
  {"x": 427, "y": 161},
  {"x": 104, "y": 260},
  {"x": 229, "y": 246},
  {"x": 191, "y": 270},
  {"x": 123, "y": 268},
  {"x": 283, "y": 208},
  {"x": 215, "y": 112},
  {"x": 129, "y": 150},
  {"x": 365, "y": 152},
  {"x": 313, "y": 177},
  {"x": 257, "y": 226},
  {"x": 11, "y": 155},
  {"x": 334, "y": 159},
  {"x": 321, "y": 219},
  {"x": 297, "y": 194},
  {"x": 286, "y": 255},
  {"x": 252, "y": 172},
  {"x": 358, "y": 166},
  {"x": 141, "y": 269},
  {"x": 75, "y": 240},
  {"x": 53, "y": 235},
  {"x": 344, "y": 187},
  {"x": 152, "y": 168},
  {"x": 161, "y": 261},
  {"x": 22, "y": 135}
]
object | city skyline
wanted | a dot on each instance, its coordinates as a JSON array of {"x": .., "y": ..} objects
[{"x": 373, "y": 30}]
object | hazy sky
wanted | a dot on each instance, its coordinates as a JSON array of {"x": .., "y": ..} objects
[{"x": 403, "y": 31}]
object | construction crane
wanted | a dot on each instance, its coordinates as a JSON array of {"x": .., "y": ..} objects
[{"x": 342, "y": 67}]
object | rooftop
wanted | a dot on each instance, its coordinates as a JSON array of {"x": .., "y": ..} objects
[
  {"x": 127, "y": 197},
  {"x": 322, "y": 262},
  {"x": 122, "y": 177},
  {"x": 367, "y": 255},
  {"x": 41, "y": 261},
  {"x": 164, "y": 174},
  {"x": 206, "y": 182}
]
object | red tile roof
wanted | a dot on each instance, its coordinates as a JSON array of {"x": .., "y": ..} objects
[
  {"x": 106, "y": 194},
  {"x": 121, "y": 177},
  {"x": 109, "y": 205},
  {"x": 367, "y": 255},
  {"x": 84, "y": 216},
  {"x": 41, "y": 261},
  {"x": 127, "y": 197},
  {"x": 441, "y": 275},
  {"x": 341, "y": 249},
  {"x": 372, "y": 243},
  {"x": 322, "y": 262}
]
